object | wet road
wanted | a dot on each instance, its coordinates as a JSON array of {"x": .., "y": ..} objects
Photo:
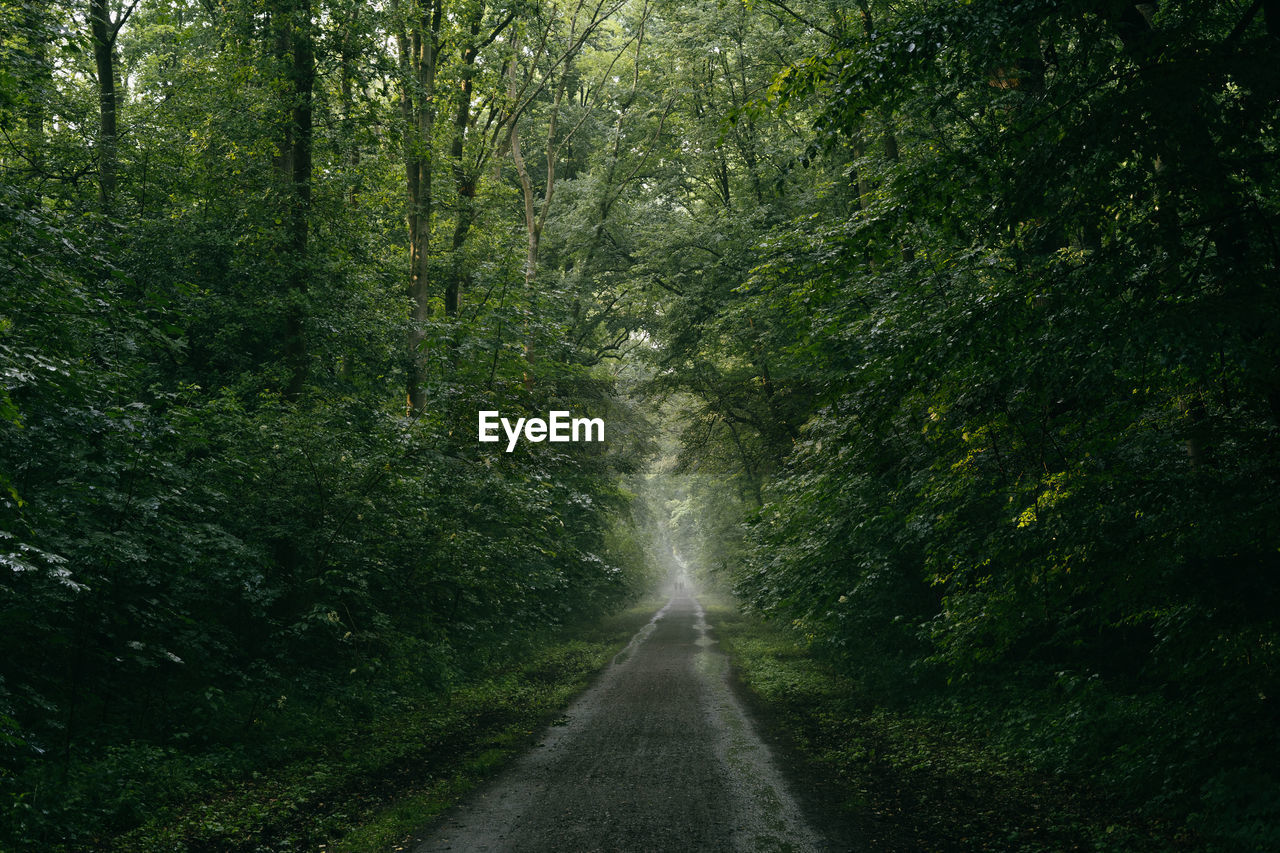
[{"x": 657, "y": 756}]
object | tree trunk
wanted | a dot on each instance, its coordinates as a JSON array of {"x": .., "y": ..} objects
[
  {"x": 302, "y": 76},
  {"x": 104, "y": 44},
  {"x": 346, "y": 92},
  {"x": 421, "y": 112},
  {"x": 533, "y": 228},
  {"x": 532, "y": 225},
  {"x": 34, "y": 23},
  {"x": 464, "y": 179}
]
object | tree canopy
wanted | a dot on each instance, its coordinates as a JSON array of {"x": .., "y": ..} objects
[{"x": 952, "y": 329}]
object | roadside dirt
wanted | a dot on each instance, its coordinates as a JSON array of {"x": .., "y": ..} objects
[{"x": 658, "y": 755}]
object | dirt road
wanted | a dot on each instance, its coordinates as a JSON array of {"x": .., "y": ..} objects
[{"x": 657, "y": 756}]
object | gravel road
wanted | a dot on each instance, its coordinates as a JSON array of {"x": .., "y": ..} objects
[{"x": 657, "y": 756}]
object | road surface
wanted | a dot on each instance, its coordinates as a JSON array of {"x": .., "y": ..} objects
[{"x": 657, "y": 756}]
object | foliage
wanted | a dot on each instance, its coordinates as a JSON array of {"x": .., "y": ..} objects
[
  {"x": 215, "y": 506},
  {"x": 962, "y": 317},
  {"x": 995, "y": 354},
  {"x": 920, "y": 777}
]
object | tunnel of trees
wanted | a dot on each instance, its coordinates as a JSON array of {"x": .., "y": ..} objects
[{"x": 954, "y": 329}]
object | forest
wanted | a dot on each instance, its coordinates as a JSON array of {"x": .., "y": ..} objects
[{"x": 944, "y": 335}]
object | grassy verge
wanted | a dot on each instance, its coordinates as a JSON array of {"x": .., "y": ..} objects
[
  {"x": 912, "y": 779},
  {"x": 371, "y": 788}
]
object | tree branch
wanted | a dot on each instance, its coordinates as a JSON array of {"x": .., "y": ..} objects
[
  {"x": 116, "y": 26},
  {"x": 800, "y": 18}
]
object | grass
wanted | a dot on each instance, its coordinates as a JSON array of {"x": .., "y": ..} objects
[
  {"x": 373, "y": 788},
  {"x": 909, "y": 777},
  {"x": 901, "y": 778}
]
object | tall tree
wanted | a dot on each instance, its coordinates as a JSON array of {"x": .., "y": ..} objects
[
  {"x": 104, "y": 27},
  {"x": 295, "y": 52},
  {"x": 417, "y": 37}
]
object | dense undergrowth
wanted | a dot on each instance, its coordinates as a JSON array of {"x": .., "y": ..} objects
[
  {"x": 342, "y": 773},
  {"x": 963, "y": 772},
  {"x": 991, "y": 418},
  {"x": 242, "y": 503}
]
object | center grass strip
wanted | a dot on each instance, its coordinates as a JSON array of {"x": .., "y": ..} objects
[{"x": 374, "y": 790}]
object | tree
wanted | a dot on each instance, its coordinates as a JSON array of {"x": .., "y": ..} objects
[{"x": 105, "y": 26}]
